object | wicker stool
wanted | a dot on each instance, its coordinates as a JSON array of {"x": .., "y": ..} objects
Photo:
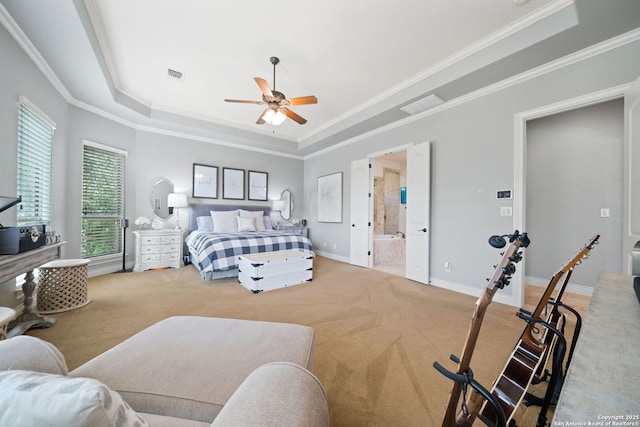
[{"x": 62, "y": 285}]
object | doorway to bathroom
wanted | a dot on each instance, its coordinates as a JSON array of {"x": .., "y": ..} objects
[{"x": 389, "y": 212}]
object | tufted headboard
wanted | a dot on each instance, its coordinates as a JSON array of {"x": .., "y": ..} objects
[{"x": 197, "y": 209}]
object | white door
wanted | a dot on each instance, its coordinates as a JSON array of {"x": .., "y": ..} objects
[
  {"x": 418, "y": 203},
  {"x": 632, "y": 180},
  {"x": 359, "y": 225}
]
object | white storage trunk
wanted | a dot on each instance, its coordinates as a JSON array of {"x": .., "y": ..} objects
[{"x": 273, "y": 270}]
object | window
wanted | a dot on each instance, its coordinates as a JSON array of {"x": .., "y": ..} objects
[
  {"x": 35, "y": 136},
  {"x": 102, "y": 200}
]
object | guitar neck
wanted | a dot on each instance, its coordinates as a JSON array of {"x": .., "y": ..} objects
[
  {"x": 467, "y": 351},
  {"x": 516, "y": 377},
  {"x": 499, "y": 279},
  {"x": 565, "y": 272}
]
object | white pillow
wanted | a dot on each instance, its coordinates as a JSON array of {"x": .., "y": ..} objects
[
  {"x": 267, "y": 223},
  {"x": 225, "y": 221},
  {"x": 205, "y": 223},
  {"x": 246, "y": 224},
  {"x": 254, "y": 214},
  {"x": 29, "y": 398}
]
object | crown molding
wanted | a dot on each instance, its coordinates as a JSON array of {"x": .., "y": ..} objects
[
  {"x": 23, "y": 41},
  {"x": 457, "y": 58},
  {"x": 582, "y": 55}
]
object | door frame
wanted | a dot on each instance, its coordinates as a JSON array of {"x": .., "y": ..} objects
[
  {"x": 520, "y": 151},
  {"x": 371, "y": 157}
]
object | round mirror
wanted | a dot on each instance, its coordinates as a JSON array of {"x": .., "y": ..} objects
[
  {"x": 287, "y": 201},
  {"x": 159, "y": 195}
]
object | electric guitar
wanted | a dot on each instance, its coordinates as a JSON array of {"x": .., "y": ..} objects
[
  {"x": 533, "y": 349},
  {"x": 498, "y": 280}
]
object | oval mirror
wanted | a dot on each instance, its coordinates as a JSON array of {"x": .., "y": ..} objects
[
  {"x": 287, "y": 201},
  {"x": 159, "y": 197}
]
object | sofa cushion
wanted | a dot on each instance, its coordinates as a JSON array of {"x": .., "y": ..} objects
[
  {"x": 167, "y": 421},
  {"x": 31, "y": 354},
  {"x": 29, "y": 398},
  {"x": 188, "y": 367},
  {"x": 277, "y": 394}
]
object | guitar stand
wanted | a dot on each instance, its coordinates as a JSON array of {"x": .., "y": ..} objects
[
  {"x": 556, "y": 370},
  {"x": 533, "y": 400},
  {"x": 466, "y": 379},
  {"x": 576, "y": 332}
]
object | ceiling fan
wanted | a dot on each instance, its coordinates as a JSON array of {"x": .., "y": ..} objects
[{"x": 277, "y": 104}]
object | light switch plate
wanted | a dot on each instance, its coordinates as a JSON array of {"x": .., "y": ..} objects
[{"x": 506, "y": 211}]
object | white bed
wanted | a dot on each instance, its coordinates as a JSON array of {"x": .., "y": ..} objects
[{"x": 220, "y": 234}]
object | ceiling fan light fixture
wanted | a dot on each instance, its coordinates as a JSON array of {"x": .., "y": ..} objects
[
  {"x": 277, "y": 103},
  {"x": 279, "y": 118},
  {"x": 274, "y": 117}
]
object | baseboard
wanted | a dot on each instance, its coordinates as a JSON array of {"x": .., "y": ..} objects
[
  {"x": 107, "y": 268},
  {"x": 500, "y": 297},
  {"x": 574, "y": 288},
  {"x": 332, "y": 256}
]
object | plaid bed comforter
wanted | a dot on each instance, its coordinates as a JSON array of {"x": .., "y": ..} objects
[{"x": 220, "y": 251}]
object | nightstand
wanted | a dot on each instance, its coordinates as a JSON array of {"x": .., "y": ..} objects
[
  {"x": 303, "y": 231},
  {"x": 158, "y": 249}
]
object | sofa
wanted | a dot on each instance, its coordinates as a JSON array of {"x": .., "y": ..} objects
[{"x": 182, "y": 371}]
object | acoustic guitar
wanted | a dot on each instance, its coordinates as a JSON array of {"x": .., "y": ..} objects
[
  {"x": 532, "y": 350},
  {"x": 498, "y": 280}
]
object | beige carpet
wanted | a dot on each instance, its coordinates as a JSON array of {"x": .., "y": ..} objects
[{"x": 377, "y": 335}]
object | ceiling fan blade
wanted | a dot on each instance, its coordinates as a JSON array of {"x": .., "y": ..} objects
[
  {"x": 293, "y": 116},
  {"x": 302, "y": 100},
  {"x": 260, "y": 120},
  {"x": 264, "y": 86},
  {"x": 241, "y": 101}
]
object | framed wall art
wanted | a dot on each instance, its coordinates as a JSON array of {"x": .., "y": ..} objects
[
  {"x": 258, "y": 185},
  {"x": 330, "y": 198},
  {"x": 233, "y": 183},
  {"x": 205, "y": 181}
]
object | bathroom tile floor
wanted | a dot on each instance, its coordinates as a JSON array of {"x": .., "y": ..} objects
[{"x": 392, "y": 268}]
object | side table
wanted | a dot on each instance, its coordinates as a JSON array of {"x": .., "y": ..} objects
[
  {"x": 62, "y": 285},
  {"x": 303, "y": 231},
  {"x": 6, "y": 315},
  {"x": 12, "y": 266},
  {"x": 158, "y": 249}
]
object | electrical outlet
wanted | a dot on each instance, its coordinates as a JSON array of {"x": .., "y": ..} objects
[
  {"x": 335, "y": 246},
  {"x": 604, "y": 213},
  {"x": 324, "y": 244}
]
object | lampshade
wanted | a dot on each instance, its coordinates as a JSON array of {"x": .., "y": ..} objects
[
  {"x": 278, "y": 205},
  {"x": 177, "y": 200}
]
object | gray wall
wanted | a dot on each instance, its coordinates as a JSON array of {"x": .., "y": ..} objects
[
  {"x": 19, "y": 76},
  {"x": 150, "y": 155},
  {"x": 472, "y": 157},
  {"x": 173, "y": 158},
  {"x": 574, "y": 169}
]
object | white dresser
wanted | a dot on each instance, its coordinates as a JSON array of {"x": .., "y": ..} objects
[{"x": 158, "y": 249}]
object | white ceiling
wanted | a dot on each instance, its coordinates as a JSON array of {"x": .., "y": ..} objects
[{"x": 363, "y": 60}]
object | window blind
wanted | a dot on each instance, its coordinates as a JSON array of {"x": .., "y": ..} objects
[
  {"x": 35, "y": 136},
  {"x": 102, "y": 201}
]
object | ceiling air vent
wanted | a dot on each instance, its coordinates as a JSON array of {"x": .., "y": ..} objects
[
  {"x": 175, "y": 75},
  {"x": 423, "y": 104}
]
